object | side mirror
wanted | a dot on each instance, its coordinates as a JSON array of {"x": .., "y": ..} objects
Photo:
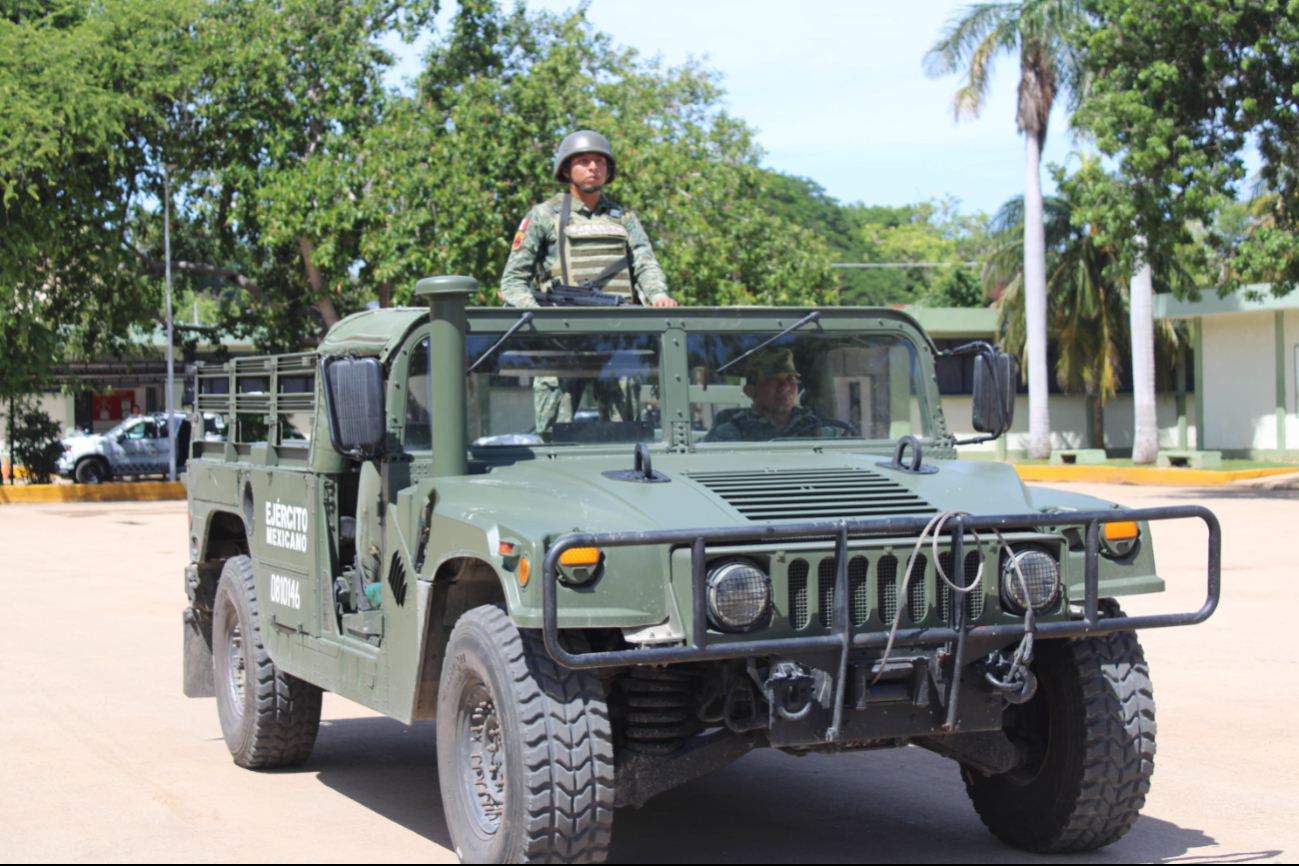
[
  {"x": 354, "y": 405},
  {"x": 994, "y": 392}
]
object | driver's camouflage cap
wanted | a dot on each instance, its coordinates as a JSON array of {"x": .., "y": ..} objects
[{"x": 773, "y": 362}]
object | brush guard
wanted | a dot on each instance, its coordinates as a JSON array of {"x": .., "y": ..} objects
[{"x": 841, "y": 640}]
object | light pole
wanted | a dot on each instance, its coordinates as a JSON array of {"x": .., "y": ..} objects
[{"x": 171, "y": 387}]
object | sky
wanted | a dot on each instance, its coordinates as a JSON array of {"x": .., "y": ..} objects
[{"x": 838, "y": 93}]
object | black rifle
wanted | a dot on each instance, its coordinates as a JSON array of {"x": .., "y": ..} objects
[{"x": 582, "y": 295}]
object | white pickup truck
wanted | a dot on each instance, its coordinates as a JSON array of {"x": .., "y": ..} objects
[{"x": 136, "y": 447}]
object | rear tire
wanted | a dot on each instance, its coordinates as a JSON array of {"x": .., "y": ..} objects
[
  {"x": 269, "y": 718},
  {"x": 91, "y": 471},
  {"x": 525, "y": 751},
  {"x": 1090, "y": 732}
]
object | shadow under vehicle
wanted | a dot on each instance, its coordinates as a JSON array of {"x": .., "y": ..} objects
[{"x": 556, "y": 533}]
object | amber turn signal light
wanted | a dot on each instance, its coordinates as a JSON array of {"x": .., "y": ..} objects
[
  {"x": 580, "y": 556},
  {"x": 522, "y": 572},
  {"x": 1120, "y": 531}
]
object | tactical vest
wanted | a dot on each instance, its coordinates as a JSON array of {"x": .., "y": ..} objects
[{"x": 588, "y": 247}]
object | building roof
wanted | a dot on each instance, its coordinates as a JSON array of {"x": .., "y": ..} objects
[
  {"x": 945, "y": 323},
  {"x": 1239, "y": 301}
]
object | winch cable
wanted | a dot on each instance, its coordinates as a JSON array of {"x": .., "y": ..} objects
[{"x": 1024, "y": 652}]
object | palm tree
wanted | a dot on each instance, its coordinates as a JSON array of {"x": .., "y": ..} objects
[
  {"x": 1145, "y": 433},
  {"x": 1087, "y": 306},
  {"x": 1038, "y": 31}
]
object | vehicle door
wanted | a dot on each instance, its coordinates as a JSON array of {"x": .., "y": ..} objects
[
  {"x": 137, "y": 447},
  {"x": 382, "y": 549}
]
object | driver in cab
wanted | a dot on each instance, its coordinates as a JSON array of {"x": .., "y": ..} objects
[{"x": 772, "y": 381}]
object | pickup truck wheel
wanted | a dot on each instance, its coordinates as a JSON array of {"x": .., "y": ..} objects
[
  {"x": 525, "y": 751},
  {"x": 269, "y": 718},
  {"x": 91, "y": 471},
  {"x": 1090, "y": 733}
]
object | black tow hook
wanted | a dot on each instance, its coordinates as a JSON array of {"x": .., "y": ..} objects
[
  {"x": 789, "y": 689},
  {"x": 1016, "y": 682}
]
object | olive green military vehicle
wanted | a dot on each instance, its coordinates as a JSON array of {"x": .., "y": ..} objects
[{"x": 570, "y": 537}]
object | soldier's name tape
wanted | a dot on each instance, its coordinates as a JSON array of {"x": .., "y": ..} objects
[
  {"x": 285, "y": 591},
  {"x": 286, "y": 526},
  {"x": 596, "y": 230}
]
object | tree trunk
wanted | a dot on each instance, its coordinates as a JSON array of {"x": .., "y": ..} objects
[
  {"x": 384, "y": 291},
  {"x": 1039, "y": 418},
  {"x": 317, "y": 282},
  {"x": 1098, "y": 421},
  {"x": 1145, "y": 439}
]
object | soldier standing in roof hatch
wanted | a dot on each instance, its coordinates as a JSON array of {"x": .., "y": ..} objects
[
  {"x": 575, "y": 236},
  {"x": 580, "y": 234}
]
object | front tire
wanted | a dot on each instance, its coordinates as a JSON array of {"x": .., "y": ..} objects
[
  {"x": 1090, "y": 737},
  {"x": 525, "y": 751},
  {"x": 91, "y": 471},
  {"x": 269, "y": 718}
]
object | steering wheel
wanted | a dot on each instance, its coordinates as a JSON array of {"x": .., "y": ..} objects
[{"x": 842, "y": 425}]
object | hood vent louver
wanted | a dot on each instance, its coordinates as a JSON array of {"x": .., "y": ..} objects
[{"x": 814, "y": 494}]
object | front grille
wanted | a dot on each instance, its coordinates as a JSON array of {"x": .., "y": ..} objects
[
  {"x": 876, "y": 594},
  {"x": 813, "y": 494},
  {"x": 859, "y": 603},
  {"x": 917, "y": 604},
  {"x": 973, "y": 600},
  {"x": 798, "y": 612},
  {"x": 886, "y": 577},
  {"x": 825, "y": 589},
  {"x": 859, "y": 589}
]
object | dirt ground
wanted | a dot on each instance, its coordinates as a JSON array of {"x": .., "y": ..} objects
[{"x": 102, "y": 758}]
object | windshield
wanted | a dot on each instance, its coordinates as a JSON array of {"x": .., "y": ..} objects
[
  {"x": 806, "y": 385},
  {"x": 562, "y": 390}
]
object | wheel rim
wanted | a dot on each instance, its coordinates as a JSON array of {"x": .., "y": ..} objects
[
  {"x": 1032, "y": 726},
  {"x": 92, "y": 473},
  {"x": 482, "y": 756},
  {"x": 236, "y": 663}
]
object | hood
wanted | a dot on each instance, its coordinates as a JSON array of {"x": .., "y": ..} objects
[
  {"x": 572, "y": 493},
  {"x": 83, "y": 443}
]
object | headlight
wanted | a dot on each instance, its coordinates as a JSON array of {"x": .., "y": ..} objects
[
  {"x": 1042, "y": 575},
  {"x": 739, "y": 595}
]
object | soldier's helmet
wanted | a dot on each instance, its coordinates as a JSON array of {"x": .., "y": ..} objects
[
  {"x": 773, "y": 362},
  {"x": 583, "y": 141}
]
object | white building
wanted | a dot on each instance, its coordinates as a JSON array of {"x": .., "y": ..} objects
[{"x": 1246, "y": 353}]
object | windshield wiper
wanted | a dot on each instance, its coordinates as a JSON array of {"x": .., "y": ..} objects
[
  {"x": 810, "y": 317},
  {"x": 523, "y": 320}
]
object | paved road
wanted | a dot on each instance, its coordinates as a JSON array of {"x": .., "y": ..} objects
[{"x": 101, "y": 758}]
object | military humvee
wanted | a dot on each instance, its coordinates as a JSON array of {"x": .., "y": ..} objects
[{"x": 540, "y": 529}]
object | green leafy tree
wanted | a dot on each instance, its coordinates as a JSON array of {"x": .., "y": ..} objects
[
  {"x": 84, "y": 88},
  {"x": 1038, "y": 33},
  {"x": 931, "y": 232},
  {"x": 268, "y": 147},
  {"x": 803, "y": 202},
  {"x": 36, "y": 440},
  {"x": 450, "y": 173},
  {"x": 1181, "y": 89}
]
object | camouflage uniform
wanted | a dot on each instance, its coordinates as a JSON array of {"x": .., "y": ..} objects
[
  {"x": 534, "y": 255},
  {"x": 594, "y": 239},
  {"x": 749, "y": 425}
]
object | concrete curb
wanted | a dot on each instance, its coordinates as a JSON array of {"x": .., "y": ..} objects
[
  {"x": 1288, "y": 481},
  {"x": 140, "y": 491},
  {"x": 1143, "y": 475}
]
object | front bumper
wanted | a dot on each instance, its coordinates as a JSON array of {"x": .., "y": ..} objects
[{"x": 841, "y": 641}]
